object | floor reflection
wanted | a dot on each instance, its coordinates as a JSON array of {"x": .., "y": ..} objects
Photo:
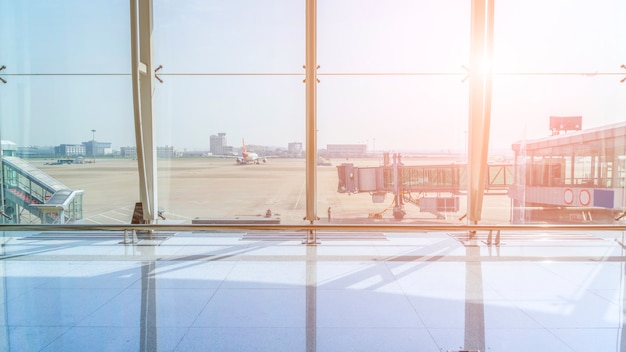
[
  {"x": 474, "y": 303},
  {"x": 148, "y": 318},
  {"x": 311, "y": 298},
  {"x": 426, "y": 292}
]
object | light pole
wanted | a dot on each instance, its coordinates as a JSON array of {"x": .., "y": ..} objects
[{"x": 93, "y": 145}]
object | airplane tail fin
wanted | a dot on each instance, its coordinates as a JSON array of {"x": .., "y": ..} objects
[{"x": 244, "y": 152}]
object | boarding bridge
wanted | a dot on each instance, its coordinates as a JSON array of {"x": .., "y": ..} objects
[
  {"x": 433, "y": 188},
  {"x": 32, "y": 196}
]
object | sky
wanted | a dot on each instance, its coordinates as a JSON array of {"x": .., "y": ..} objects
[{"x": 68, "y": 71}]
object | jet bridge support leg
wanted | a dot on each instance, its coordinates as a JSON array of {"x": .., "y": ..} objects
[
  {"x": 398, "y": 204},
  {"x": 398, "y": 208}
]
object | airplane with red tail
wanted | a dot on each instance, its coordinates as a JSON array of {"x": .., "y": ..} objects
[{"x": 249, "y": 157}]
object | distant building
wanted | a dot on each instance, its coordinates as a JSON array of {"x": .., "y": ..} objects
[
  {"x": 346, "y": 150},
  {"x": 35, "y": 152},
  {"x": 228, "y": 150},
  {"x": 218, "y": 143},
  {"x": 128, "y": 152},
  {"x": 166, "y": 152},
  {"x": 194, "y": 153},
  {"x": 294, "y": 148},
  {"x": 70, "y": 150},
  {"x": 162, "y": 152},
  {"x": 8, "y": 148},
  {"x": 94, "y": 148}
]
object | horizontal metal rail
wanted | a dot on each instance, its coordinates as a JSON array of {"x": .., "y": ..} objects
[
  {"x": 311, "y": 227},
  {"x": 413, "y": 73}
]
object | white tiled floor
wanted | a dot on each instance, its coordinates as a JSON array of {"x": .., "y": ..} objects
[{"x": 217, "y": 292}]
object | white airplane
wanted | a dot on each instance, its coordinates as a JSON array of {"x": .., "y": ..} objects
[{"x": 247, "y": 157}]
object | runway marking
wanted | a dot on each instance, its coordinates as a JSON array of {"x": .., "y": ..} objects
[
  {"x": 126, "y": 212},
  {"x": 111, "y": 218},
  {"x": 298, "y": 199},
  {"x": 299, "y": 196}
]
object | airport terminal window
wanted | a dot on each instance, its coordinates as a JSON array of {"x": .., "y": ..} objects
[
  {"x": 232, "y": 84},
  {"x": 391, "y": 75},
  {"x": 567, "y": 73},
  {"x": 393, "y": 91},
  {"x": 66, "y": 66}
]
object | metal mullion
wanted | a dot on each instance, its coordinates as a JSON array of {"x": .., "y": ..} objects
[{"x": 141, "y": 56}]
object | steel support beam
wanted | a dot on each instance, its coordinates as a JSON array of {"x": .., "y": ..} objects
[
  {"x": 142, "y": 78},
  {"x": 311, "y": 111},
  {"x": 481, "y": 53}
]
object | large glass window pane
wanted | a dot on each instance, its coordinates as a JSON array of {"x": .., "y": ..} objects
[
  {"x": 392, "y": 84},
  {"x": 65, "y": 110},
  {"x": 558, "y": 110},
  {"x": 231, "y": 108}
]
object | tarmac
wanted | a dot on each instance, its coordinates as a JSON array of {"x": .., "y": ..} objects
[{"x": 219, "y": 188}]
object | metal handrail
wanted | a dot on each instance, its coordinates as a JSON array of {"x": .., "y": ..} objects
[{"x": 311, "y": 227}]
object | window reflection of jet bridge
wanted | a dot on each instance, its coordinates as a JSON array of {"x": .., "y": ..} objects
[{"x": 433, "y": 188}]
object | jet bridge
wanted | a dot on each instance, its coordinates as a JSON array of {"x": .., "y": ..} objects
[{"x": 433, "y": 188}]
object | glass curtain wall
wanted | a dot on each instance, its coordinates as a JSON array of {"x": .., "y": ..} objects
[
  {"x": 393, "y": 91},
  {"x": 231, "y": 105},
  {"x": 66, "y": 103},
  {"x": 557, "y": 79},
  {"x": 392, "y": 118}
]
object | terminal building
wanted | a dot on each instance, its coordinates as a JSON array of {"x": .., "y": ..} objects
[
  {"x": 162, "y": 152},
  {"x": 95, "y": 148},
  {"x": 573, "y": 176},
  {"x": 346, "y": 150},
  {"x": 294, "y": 148},
  {"x": 218, "y": 144},
  {"x": 112, "y": 263},
  {"x": 70, "y": 150}
]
